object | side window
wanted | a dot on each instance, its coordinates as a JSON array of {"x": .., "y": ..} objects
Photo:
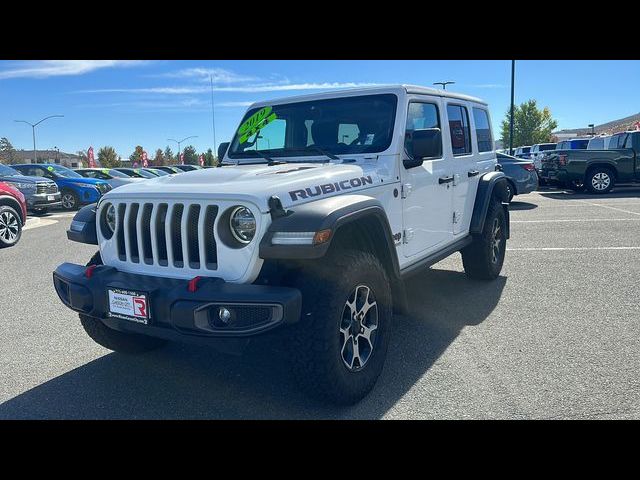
[
  {"x": 629, "y": 142},
  {"x": 483, "y": 130},
  {"x": 89, "y": 174},
  {"x": 459, "y": 128},
  {"x": 419, "y": 117}
]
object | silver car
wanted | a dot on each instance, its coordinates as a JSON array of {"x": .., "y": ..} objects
[{"x": 110, "y": 175}]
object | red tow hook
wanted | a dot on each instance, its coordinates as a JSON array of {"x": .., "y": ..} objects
[
  {"x": 89, "y": 271},
  {"x": 192, "y": 286}
]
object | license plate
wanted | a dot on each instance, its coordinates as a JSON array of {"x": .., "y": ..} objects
[
  {"x": 51, "y": 198},
  {"x": 128, "y": 305}
]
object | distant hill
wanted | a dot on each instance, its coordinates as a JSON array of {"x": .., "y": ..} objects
[{"x": 615, "y": 126}]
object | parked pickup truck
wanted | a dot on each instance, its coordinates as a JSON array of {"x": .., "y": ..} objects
[{"x": 596, "y": 170}]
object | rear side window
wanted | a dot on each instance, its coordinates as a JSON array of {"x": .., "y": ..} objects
[
  {"x": 596, "y": 144},
  {"x": 483, "y": 130},
  {"x": 550, "y": 146},
  {"x": 459, "y": 129}
]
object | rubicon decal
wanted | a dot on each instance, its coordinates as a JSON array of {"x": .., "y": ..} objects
[{"x": 327, "y": 188}]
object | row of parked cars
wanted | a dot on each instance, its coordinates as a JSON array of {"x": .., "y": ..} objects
[
  {"x": 594, "y": 164},
  {"x": 37, "y": 188}
]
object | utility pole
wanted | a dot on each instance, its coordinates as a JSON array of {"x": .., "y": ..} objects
[
  {"x": 511, "y": 119},
  {"x": 213, "y": 119},
  {"x": 179, "y": 142},
  {"x": 33, "y": 128}
]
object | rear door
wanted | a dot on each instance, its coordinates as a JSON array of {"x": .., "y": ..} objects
[{"x": 427, "y": 190}]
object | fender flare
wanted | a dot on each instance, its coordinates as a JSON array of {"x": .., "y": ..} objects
[
  {"x": 491, "y": 185},
  {"x": 83, "y": 226}
]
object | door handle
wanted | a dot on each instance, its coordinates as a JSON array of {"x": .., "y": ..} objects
[
  {"x": 442, "y": 180},
  {"x": 473, "y": 173}
]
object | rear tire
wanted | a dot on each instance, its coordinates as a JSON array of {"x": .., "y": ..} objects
[
  {"x": 483, "y": 259},
  {"x": 339, "y": 346},
  {"x": 599, "y": 180},
  {"x": 10, "y": 226},
  {"x": 121, "y": 342}
]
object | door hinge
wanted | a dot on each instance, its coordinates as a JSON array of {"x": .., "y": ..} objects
[
  {"x": 456, "y": 217},
  {"x": 456, "y": 179},
  {"x": 405, "y": 190},
  {"x": 407, "y": 235}
]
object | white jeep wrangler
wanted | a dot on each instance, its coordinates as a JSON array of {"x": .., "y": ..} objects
[{"x": 322, "y": 208}]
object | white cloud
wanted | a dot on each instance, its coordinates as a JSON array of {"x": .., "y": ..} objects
[
  {"x": 488, "y": 85},
  {"x": 55, "y": 68},
  {"x": 234, "y": 104},
  {"x": 237, "y": 88},
  {"x": 219, "y": 75}
]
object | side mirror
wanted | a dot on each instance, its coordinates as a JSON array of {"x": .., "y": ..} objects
[
  {"x": 425, "y": 143},
  {"x": 222, "y": 150}
]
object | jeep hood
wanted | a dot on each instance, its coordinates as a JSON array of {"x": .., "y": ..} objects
[{"x": 293, "y": 183}]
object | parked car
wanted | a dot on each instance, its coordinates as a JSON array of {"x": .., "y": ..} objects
[
  {"x": 169, "y": 169},
  {"x": 316, "y": 240},
  {"x": 574, "y": 144},
  {"x": 522, "y": 152},
  {"x": 136, "y": 172},
  {"x": 156, "y": 171},
  {"x": 110, "y": 175},
  {"x": 40, "y": 193},
  {"x": 599, "y": 143},
  {"x": 13, "y": 215},
  {"x": 521, "y": 174},
  {"x": 188, "y": 168},
  {"x": 596, "y": 170},
  {"x": 537, "y": 152},
  {"x": 75, "y": 190}
]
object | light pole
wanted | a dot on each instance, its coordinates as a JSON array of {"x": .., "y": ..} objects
[
  {"x": 179, "y": 142},
  {"x": 57, "y": 154},
  {"x": 33, "y": 127},
  {"x": 593, "y": 129},
  {"x": 511, "y": 119},
  {"x": 444, "y": 84}
]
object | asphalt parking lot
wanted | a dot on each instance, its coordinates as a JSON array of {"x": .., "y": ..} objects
[{"x": 557, "y": 336}]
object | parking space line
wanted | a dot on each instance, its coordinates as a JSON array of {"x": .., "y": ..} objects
[
  {"x": 559, "y": 249},
  {"x": 37, "y": 222},
  {"x": 610, "y": 208},
  {"x": 579, "y": 220}
]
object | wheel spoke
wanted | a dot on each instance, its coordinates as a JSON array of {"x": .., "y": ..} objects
[{"x": 366, "y": 334}]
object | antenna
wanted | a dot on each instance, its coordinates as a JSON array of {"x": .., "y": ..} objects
[{"x": 213, "y": 118}]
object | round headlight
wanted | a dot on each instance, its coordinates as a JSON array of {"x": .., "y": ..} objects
[
  {"x": 110, "y": 217},
  {"x": 242, "y": 224}
]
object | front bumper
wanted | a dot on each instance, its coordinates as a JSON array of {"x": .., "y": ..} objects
[
  {"x": 175, "y": 311},
  {"x": 41, "y": 200}
]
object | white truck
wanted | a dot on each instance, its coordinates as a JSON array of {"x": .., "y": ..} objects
[{"x": 323, "y": 206}]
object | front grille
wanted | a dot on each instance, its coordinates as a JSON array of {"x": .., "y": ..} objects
[
  {"x": 175, "y": 235},
  {"x": 48, "y": 188}
]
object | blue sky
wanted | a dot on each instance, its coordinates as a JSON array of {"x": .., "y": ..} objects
[{"x": 129, "y": 103}]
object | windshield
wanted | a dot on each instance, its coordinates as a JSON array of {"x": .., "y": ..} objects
[
  {"x": 159, "y": 173},
  {"x": 338, "y": 126},
  {"x": 8, "y": 171},
  {"x": 115, "y": 173},
  {"x": 144, "y": 173},
  {"x": 63, "y": 171}
]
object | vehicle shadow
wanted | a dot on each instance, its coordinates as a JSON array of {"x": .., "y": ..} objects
[
  {"x": 516, "y": 205},
  {"x": 618, "y": 192},
  {"x": 190, "y": 382}
]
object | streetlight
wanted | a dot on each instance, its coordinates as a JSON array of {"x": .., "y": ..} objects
[
  {"x": 511, "y": 119},
  {"x": 57, "y": 154},
  {"x": 444, "y": 84},
  {"x": 33, "y": 127},
  {"x": 179, "y": 142},
  {"x": 593, "y": 129}
]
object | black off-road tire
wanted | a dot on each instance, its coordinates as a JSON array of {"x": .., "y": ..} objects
[
  {"x": 317, "y": 344},
  {"x": 11, "y": 226},
  {"x": 121, "y": 342},
  {"x": 511, "y": 191},
  {"x": 480, "y": 260},
  {"x": 596, "y": 175}
]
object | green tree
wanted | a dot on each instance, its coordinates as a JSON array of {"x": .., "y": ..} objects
[
  {"x": 210, "y": 159},
  {"x": 7, "y": 152},
  {"x": 108, "y": 158},
  {"x": 136, "y": 156},
  {"x": 531, "y": 125},
  {"x": 169, "y": 156},
  {"x": 190, "y": 155},
  {"x": 158, "y": 159}
]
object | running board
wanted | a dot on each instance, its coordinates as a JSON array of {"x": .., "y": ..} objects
[{"x": 435, "y": 257}]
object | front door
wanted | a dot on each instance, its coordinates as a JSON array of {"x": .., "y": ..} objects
[{"x": 427, "y": 190}]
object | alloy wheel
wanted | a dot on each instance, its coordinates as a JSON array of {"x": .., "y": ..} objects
[
  {"x": 9, "y": 227},
  {"x": 358, "y": 328},
  {"x": 68, "y": 201},
  {"x": 600, "y": 181},
  {"x": 496, "y": 240}
]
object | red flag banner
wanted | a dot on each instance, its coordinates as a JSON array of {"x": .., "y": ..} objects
[
  {"x": 182, "y": 158},
  {"x": 145, "y": 160},
  {"x": 201, "y": 160},
  {"x": 92, "y": 161}
]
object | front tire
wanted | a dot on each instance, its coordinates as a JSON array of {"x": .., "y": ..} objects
[
  {"x": 600, "y": 180},
  {"x": 69, "y": 200},
  {"x": 121, "y": 342},
  {"x": 483, "y": 259},
  {"x": 10, "y": 227},
  {"x": 340, "y": 344}
]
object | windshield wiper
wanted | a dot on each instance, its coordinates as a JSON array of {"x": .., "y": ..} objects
[
  {"x": 323, "y": 152},
  {"x": 271, "y": 161}
]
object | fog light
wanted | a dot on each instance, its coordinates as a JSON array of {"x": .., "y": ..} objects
[{"x": 224, "y": 315}]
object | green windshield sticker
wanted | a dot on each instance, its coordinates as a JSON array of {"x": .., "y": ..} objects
[
  {"x": 254, "y": 123},
  {"x": 50, "y": 169},
  {"x": 105, "y": 171}
]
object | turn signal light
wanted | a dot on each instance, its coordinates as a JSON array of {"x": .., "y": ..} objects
[{"x": 322, "y": 236}]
